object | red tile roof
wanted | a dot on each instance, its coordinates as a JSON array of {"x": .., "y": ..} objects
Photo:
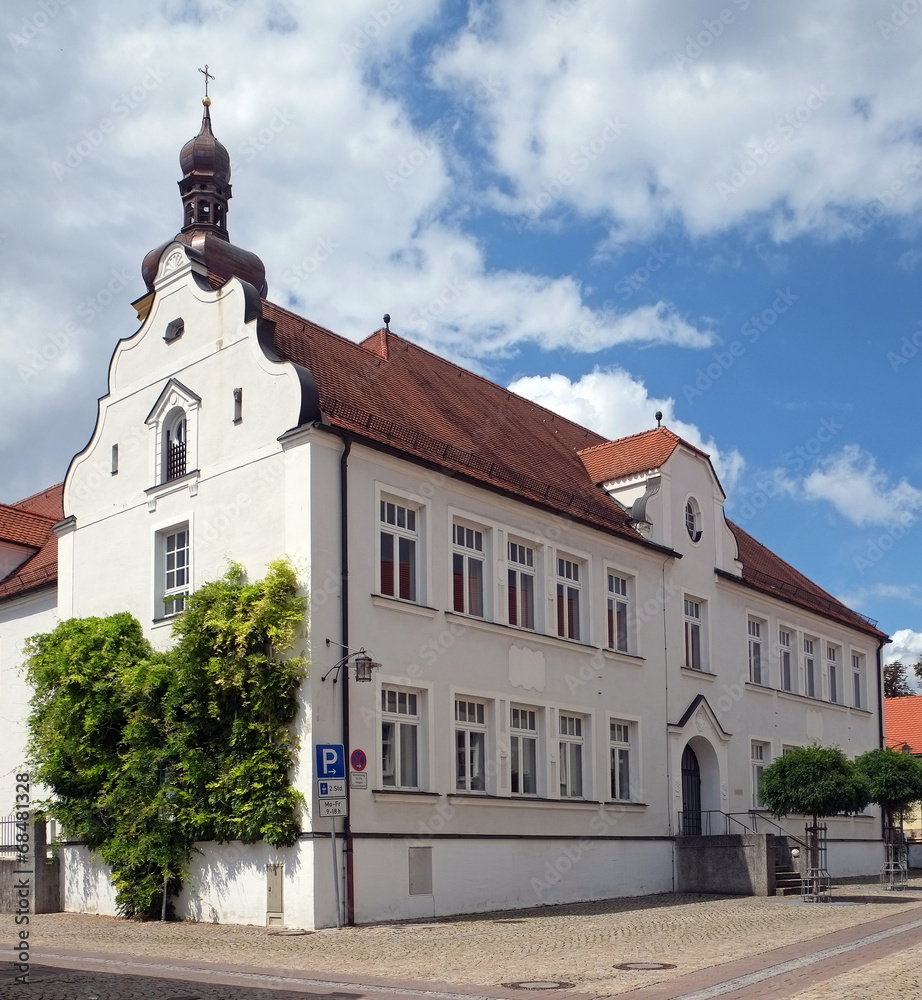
[
  {"x": 22, "y": 528},
  {"x": 632, "y": 455},
  {"x": 770, "y": 574},
  {"x": 401, "y": 396},
  {"x": 903, "y": 722},
  {"x": 29, "y": 522}
]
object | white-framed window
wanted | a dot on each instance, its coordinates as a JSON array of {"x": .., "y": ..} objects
[
  {"x": 619, "y": 750},
  {"x": 175, "y": 438},
  {"x": 569, "y": 586},
  {"x": 571, "y": 756},
  {"x": 858, "y": 685},
  {"x": 693, "y": 519},
  {"x": 523, "y": 750},
  {"x": 618, "y": 612},
  {"x": 786, "y": 665},
  {"x": 758, "y": 668},
  {"x": 833, "y": 674},
  {"x": 809, "y": 667},
  {"x": 173, "y": 423},
  {"x": 761, "y": 754},
  {"x": 694, "y": 647},
  {"x": 520, "y": 581},
  {"x": 398, "y": 549},
  {"x": 174, "y": 570},
  {"x": 470, "y": 745},
  {"x": 400, "y": 736},
  {"x": 467, "y": 569}
]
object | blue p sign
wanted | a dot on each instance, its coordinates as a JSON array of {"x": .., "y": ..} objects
[{"x": 331, "y": 760}]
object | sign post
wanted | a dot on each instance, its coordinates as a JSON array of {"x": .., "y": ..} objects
[{"x": 331, "y": 791}]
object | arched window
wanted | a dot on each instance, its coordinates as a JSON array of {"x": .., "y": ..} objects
[
  {"x": 693, "y": 519},
  {"x": 174, "y": 445}
]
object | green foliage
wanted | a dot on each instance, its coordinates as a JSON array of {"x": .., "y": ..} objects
[
  {"x": 896, "y": 685},
  {"x": 814, "y": 781},
  {"x": 894, "y": 780},
  {"x": 146, "y": 753}
]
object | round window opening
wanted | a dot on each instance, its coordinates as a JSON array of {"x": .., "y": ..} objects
[{"x": 693, "y": 519}]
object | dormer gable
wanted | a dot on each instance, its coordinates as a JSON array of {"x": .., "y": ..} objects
[{"x": 669, "y": 488}]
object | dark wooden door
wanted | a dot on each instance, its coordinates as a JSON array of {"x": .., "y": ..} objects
[{"x": 691, "y": 794}]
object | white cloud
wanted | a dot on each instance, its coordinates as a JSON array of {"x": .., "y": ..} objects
[
  {"x": 354, "y": 210},
  {"x": 775, "y": 116},
  {"x": 906, "y": 646},
  {"x": 612, "y": 402},
  {"x": 864, "y": 494}
]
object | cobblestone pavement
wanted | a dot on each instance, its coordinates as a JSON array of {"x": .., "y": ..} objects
[{"x": 578, "y": 944}]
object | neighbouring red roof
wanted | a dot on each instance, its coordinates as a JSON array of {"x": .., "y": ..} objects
[
  {"x": 632, "y": 455},
  {"x": 29, "y": 522},
  {"x": 903, "y": 722},
  {"x": 399, "y": 395}
]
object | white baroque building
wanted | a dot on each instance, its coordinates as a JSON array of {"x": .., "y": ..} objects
[{"x": 580, "y": 658}]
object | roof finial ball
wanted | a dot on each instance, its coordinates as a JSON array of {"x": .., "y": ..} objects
[
  {"x": 659, "y": 417},
  {"x": 387, "y": 321}
]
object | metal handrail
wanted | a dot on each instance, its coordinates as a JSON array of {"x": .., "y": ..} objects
[
  {"x": 704, "y": 823},
  {"x": 756, "y": 818}
]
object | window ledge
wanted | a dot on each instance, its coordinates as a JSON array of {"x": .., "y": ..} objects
[
  {"x": 703, "y": 674},
  {"x": 764, "y": 688},
  {"x": 167, "y": 620},
  {"x": 522, "y": 801},
  {"x": 793, "y": 696},
  {"x": 188, "y": 482},
  {"x": 403, "y": 795},
  {"x": 619, "y": 656},
  {"x": 520, "y": 634},
  {"x": 407, "y": 607}
]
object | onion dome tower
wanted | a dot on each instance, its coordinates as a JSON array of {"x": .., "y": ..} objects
[{"x": 205, "y": 190}]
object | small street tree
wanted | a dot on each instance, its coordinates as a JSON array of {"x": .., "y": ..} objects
[
  {"x": 894, "y": 781},
  {"x": 896, "y": 684},
  {"x": 813, "y": 781}
]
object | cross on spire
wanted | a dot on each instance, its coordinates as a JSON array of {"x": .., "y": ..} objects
[{"x": 208, "y": 76}]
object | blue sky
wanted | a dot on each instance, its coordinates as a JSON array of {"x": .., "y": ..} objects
[{"x": 708, "y": 208}]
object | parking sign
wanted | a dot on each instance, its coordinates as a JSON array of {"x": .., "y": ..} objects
[{"x": 331, "y": 760}]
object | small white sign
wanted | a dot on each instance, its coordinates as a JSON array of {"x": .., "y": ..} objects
[
  {"x": 358, "y": 779},
  {"x": 331, "y": 789},
  {"x": 333, "y": 807}
]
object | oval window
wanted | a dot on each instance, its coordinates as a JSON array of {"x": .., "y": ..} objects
[{"x": 693, "y": 519}]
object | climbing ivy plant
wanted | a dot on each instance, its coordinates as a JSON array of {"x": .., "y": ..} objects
[{"x": 148, "y": 752}]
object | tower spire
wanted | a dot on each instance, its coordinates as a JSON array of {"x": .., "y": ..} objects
[{"x": 205, "y": 190}]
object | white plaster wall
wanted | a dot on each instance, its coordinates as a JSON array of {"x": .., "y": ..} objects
[
  {"x": 87, "y": 888},
  {"x": 227, "y": 884},
  {"x": 19, "y": 618},
  {"x": 471, "y": 876}
]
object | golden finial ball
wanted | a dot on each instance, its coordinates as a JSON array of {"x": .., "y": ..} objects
[{"x": 206, "y": 100}]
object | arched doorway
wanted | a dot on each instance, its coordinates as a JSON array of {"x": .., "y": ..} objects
[{"x": 691, "y": 794}]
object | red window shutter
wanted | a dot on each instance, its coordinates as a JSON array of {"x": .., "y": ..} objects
[
  {"x": 458, "y": 584},
  {"x": 387, "y": 564}
]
